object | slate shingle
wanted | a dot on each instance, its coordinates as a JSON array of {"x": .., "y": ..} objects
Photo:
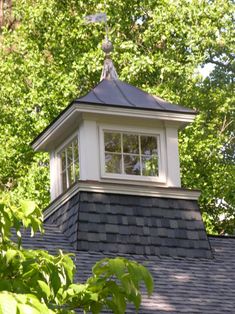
[{"x": 136, "y": 221}]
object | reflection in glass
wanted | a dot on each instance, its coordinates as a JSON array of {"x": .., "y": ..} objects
[
  {"x": 63, "y": 160},
  {"x": 70, "y": 154},
  {"x": 77, "y": 171},
  {"x": 112, "y": 142},
  {"x": 113, "y": 163},
  {"x": 132, "y": 164},
  {"x": 148, "y": 145},
  {"x": 69, "y": 164},
  {"x": 130, "y": 143},
  {"x": 131, "y": 154},
  {"x": 75, "y": 149},
  {"x": 70, "y": 174},
  {"x": 150, "y": 165},
  {"x": 64, "y": 182}
]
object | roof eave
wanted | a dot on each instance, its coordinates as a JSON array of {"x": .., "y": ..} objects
[{"x": 77, "y": 108}]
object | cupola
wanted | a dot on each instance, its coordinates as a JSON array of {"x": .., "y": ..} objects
[
  {"x": 117, "y": 133},
  {"x": 115, "y": 173}
]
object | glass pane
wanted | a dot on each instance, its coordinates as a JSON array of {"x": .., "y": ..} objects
[
  {"x": 64, "y": 183},
  {"x": 148, "y": 145},
  {"x": 70, "y": 154},
  {"x": 63, "y": 160},
  {"x": 150, "y": 165},
  {"x": 112, "y": 142},
  {"x": 113, "y": 163},
  {"x": 75, "y": 149},
  {"x": 132, "y": 164},
  {"x": 77, "y": 170},
  {"x": 70, "y": 175},
  {"x": 130, "y": 143}
]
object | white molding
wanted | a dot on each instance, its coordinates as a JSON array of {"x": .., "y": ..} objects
[
  {"x": 68, "y": 141},
  {"x": 159, "y": 133},
  {"x": 77, "y": 108},
  {"x": 124, "y": 189},
  {"x": 89, "y": 151},
  {"x": 172, "y": 156},
  {"x": 53, "y": 176}
]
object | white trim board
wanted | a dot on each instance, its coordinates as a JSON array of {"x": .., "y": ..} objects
[
  {"x": 124, "y": 189},
  {"x": 77, "y": 109}
]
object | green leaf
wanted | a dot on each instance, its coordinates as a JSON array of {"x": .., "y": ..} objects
[
  {"x": 28, "y": 207},
  {"x": 44, "y": 287},
  {"x": 5, "y": 284},
  {"x": 148, "y": 280},
  {"x": 117, "y": 267},
  {"x": 27, "y": 309},
  {"x": 8, "y": 304},
  {"x": 10, "y": 255}
]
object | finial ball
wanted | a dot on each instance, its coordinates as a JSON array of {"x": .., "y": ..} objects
[{"x": 107, "y": 46}]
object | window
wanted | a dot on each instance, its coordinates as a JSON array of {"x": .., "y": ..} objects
[
  {"x": 131, "y": 154},
  {"x": 69, "y": 164}
]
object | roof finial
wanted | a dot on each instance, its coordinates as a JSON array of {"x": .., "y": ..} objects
[{"x": 109, "y": 71}]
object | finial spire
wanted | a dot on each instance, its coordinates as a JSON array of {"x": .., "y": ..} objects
[{"x": 109, "y": 71}]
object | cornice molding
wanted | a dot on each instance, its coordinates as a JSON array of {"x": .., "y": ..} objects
[{"x": 40, "y": 141}]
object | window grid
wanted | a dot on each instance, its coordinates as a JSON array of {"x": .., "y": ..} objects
[
  {"x": 140, "y": 159},
  {"x": 140, "y": 155},
  {"x": 69, "y": 168}
]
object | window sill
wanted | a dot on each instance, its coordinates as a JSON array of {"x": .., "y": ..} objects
[{"x": 133, "y": 178}]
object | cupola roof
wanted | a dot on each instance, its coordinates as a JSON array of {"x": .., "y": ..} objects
[
  {"x": 111, "y": 96},
  {"x": 114, "y": 92}
]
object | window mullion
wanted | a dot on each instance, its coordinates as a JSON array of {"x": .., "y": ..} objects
[
  {"x": 73, "y": 165},
  {"x": 122, "y": 157},
  {"x": 140, "y": 159},
  {"x": 66, "y": 169}
]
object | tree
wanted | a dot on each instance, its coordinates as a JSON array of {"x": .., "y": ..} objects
[
  {"x": 33, "y": 281},
  {"x": 51, "y": 56}
]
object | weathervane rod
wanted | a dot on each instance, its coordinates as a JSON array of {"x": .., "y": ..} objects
[{"x": 106, "y": 22}]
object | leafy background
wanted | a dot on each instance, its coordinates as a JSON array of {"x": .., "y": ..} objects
[{"x": 49, "y": 56}]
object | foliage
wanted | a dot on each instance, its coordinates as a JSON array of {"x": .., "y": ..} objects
[
  {"x": 48, "y": 56},
  {"x": 33, "y": 281}
]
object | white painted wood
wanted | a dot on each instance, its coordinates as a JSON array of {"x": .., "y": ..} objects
[
  {"x": 91, "y": 155},
  {"x": 89, "y": 151},
  {"x": 93, "y": 120},
  {"x": 53, "y": 176},
  {"x": 47, "y": 139},
  {"x": 172, "y": 157}
]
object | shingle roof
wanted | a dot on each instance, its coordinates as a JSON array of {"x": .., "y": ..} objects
[
  {"x": 182, "y": 285},
  {"x": 121, "y": 94}
]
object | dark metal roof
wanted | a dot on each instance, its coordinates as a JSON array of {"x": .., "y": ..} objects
[
  {"x": 116, "y": 93},
  {"x": 120, "y": 94}
]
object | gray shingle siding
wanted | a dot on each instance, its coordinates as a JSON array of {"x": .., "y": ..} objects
[
  {"x": 133, "y": 224},
  {"x": 66, "y": 219}
]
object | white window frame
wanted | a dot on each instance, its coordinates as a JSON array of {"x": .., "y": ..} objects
[
  {"x": 58, "y": 160},
  {"x": 159, "y": 133}
]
